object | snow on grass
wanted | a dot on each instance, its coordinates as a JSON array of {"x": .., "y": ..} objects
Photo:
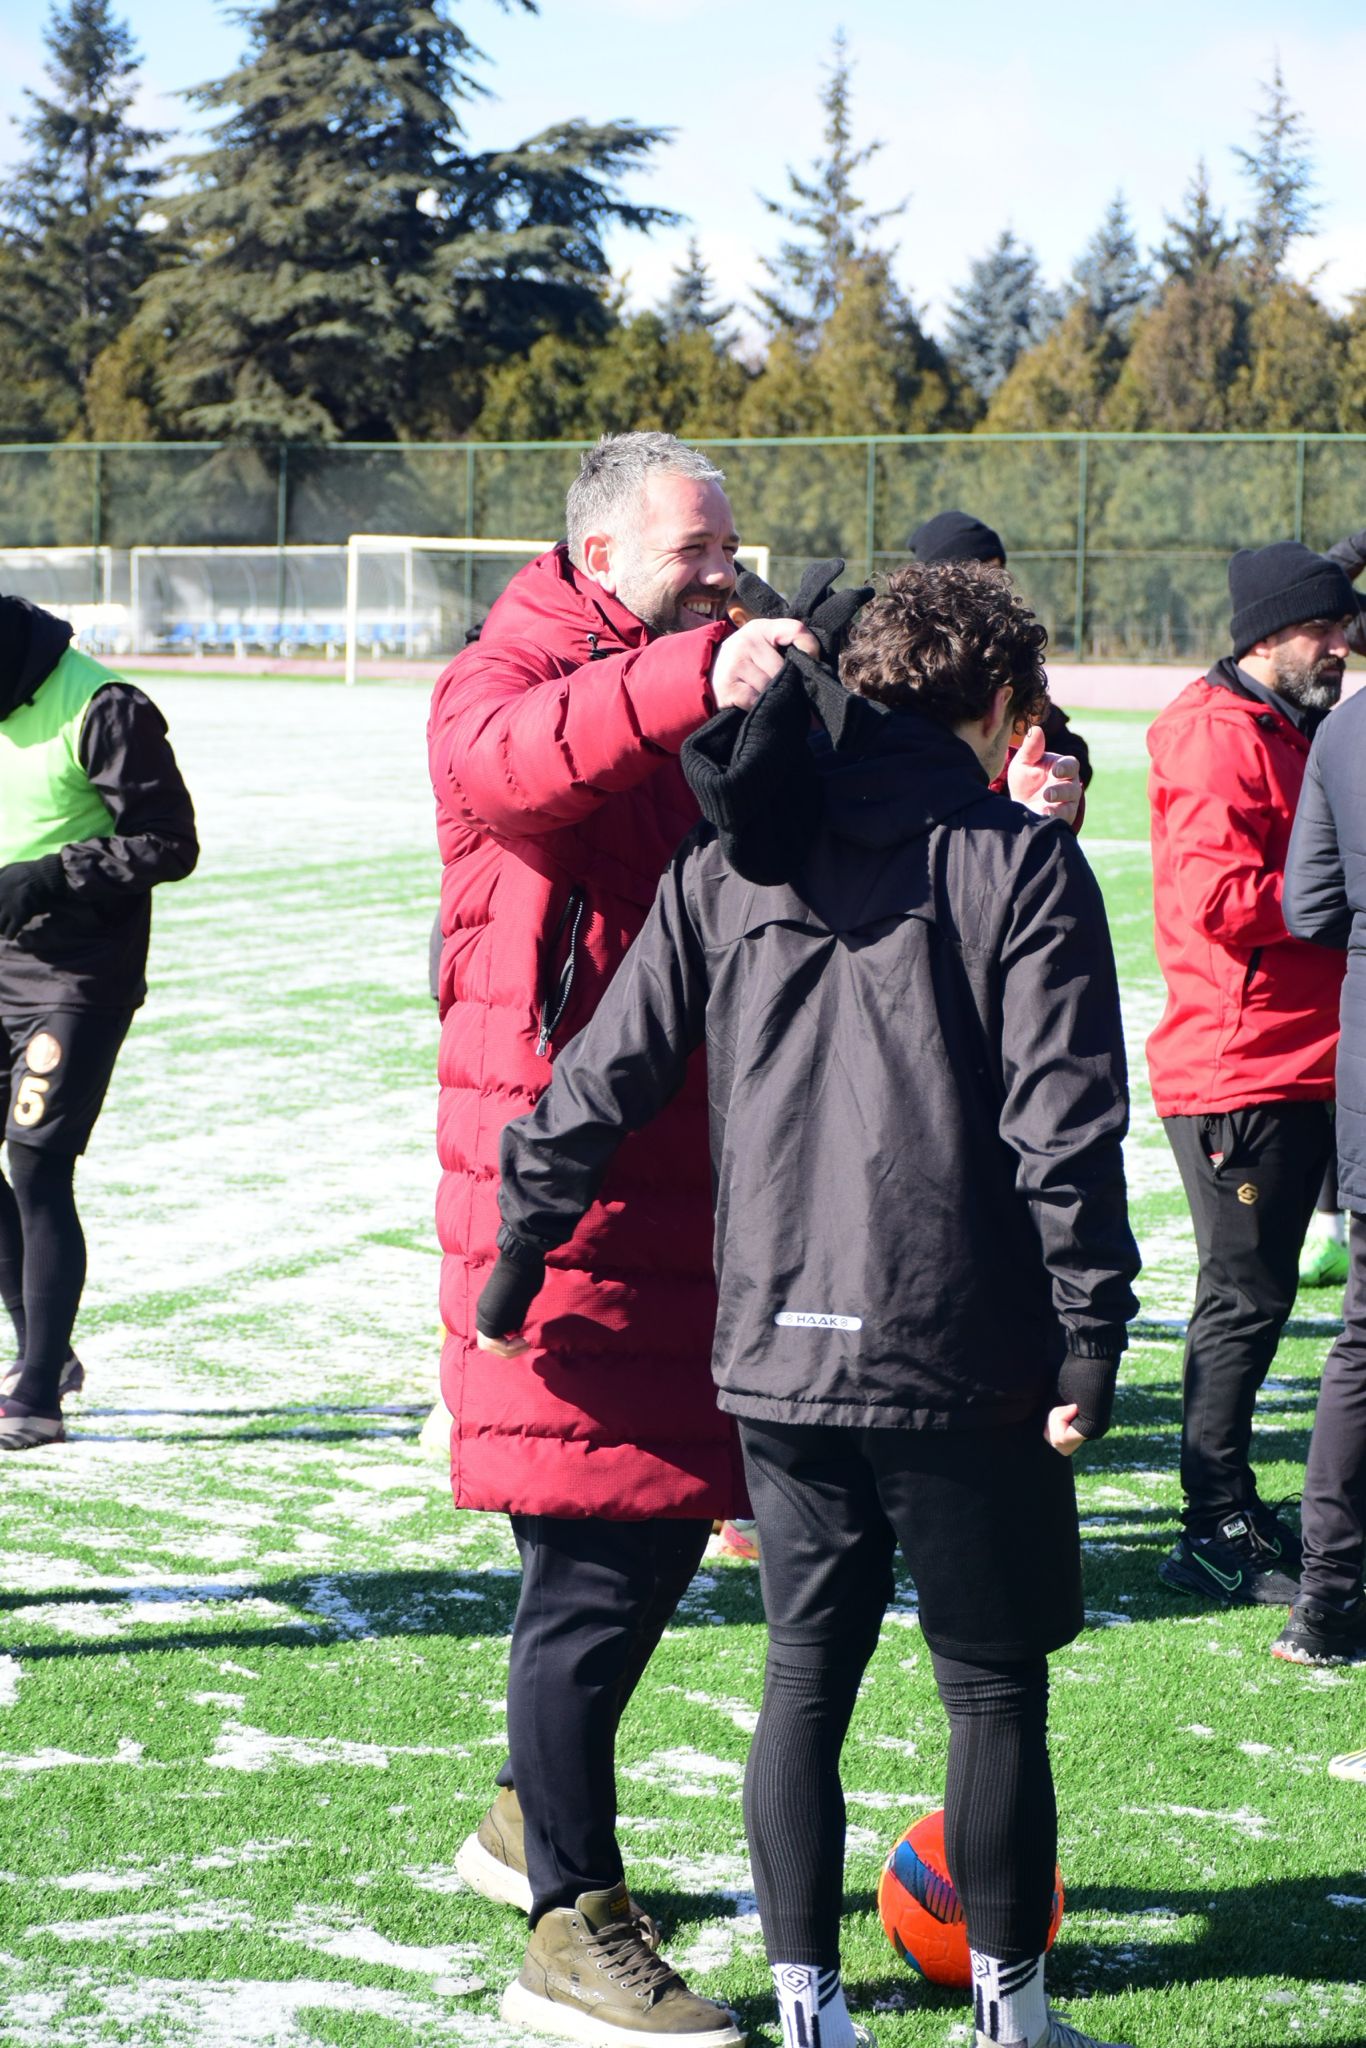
[
  {"x": 238, "y": 1747},
  {"x": 687, "y": 1773}
]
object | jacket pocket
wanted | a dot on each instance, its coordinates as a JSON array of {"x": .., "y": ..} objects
[
  {"x": 557, "y": 977},
  {"x": 1254, "y": 961}
]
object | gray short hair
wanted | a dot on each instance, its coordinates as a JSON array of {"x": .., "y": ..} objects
[{"x": 612, "y": 477}]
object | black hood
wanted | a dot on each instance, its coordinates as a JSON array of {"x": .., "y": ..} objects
[
  {"x": 32, "y": 642},
  {"x": 912, "y": 775}
]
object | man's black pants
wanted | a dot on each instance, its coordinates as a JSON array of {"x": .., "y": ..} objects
[
  {"x": 1333, "y": 1516},
  {"x": 596, "y": 1598},
  {"x": 1252, "y": 1178}
]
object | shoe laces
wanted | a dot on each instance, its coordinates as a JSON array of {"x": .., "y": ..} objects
[{"x": 627, "y": 1949}]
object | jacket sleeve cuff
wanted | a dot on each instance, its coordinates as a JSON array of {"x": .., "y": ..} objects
[{"x": 1090, "y": 1382}]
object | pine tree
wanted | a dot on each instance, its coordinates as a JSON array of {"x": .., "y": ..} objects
[
  {"x": 1198, "y": 242},
  {"x": 1110, "y": 278},
  {"x": 827, "y": 213},
  {"x": 74, "y": 241},
  {"x": 1280, "y": 170},
  {"x": 357, "y": 270},
  {"x": 1002, "y": 310},
  {"x": 688, "y": 309}
]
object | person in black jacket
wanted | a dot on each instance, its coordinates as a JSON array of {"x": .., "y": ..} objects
[
  {"x": 923, "y": 1255},
  {"x": 959, "y": 537},
  {"x": 1325, "y": 901},
  {"x": 93, "y": 814}
]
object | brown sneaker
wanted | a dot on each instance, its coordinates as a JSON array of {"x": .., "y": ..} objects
[
  {"x": 492, "y": 1860},
  {"x": 590, "y": 1975}
]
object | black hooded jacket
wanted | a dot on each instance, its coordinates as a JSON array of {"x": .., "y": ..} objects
[
  {"x": 918, "y": 1096},
  {"x": 91, "y": 951}
]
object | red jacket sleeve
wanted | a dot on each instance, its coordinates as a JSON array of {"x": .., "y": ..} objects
[
  {"x": 1216, "y": 793},
  {"x": 524, "y": 747}
]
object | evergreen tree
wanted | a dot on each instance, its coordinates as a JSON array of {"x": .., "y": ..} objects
[
  {"x": 1187, "y": 369},
  {"x": 1002, "y": 310},
  {"x": 357, "y": 270},
  {"x": 827, "y": 213},
  {"x": 1198, "y": 241},
  {"x": 1061, "y": 384},
  {"x": 1110, "y": 278},
  {"x": 1280, "y": 170},
  {"x": 74, "y": 242},
  {"x": 688, "y": 309}
]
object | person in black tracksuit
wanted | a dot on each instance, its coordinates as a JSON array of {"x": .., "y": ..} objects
[
  {"x": 1325, "y": 901},
  {"x": 93, "y": 814},
  {"x": 923, "y": 1255}
]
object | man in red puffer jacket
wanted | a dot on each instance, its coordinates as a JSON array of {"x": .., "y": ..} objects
[
  {"x": 1242, "y": 1059},
  {"x": 554, "y": 744}
]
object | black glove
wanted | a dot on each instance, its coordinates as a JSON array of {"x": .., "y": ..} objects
[
  {"x": 27, "y": 889},
  {"x": 510, "y": 1289},
  {"x": 1090, "y": 1382}
]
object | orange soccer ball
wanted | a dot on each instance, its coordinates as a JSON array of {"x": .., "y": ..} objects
[{"x": 921, "y": 1913}]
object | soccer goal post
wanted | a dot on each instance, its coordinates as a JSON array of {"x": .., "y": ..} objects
[{"x": 437, "y": 587}]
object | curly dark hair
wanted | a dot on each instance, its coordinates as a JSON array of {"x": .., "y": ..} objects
[{"x": 945, "y": 636}]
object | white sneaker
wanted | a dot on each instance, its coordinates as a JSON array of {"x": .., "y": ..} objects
[{"x": 1057, "y": 2034}]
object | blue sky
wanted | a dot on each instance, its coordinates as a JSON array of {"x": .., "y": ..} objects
[{"x": 992, "y": 114}]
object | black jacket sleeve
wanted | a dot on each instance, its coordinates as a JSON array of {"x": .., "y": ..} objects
[
  {"x": 1067, "y": 1100},
  {"x": 617, "y": 1073},
  {"x": 127, "y": 756},
  {"x": 1314, "y": 901}
]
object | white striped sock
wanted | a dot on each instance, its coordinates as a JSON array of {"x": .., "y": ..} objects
[
  {"x": 1008, "y": 2000},
  {"x": 811, "y": 2007}
]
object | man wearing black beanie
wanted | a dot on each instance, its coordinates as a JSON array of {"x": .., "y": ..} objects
[
  {"x": 93, "y": 814},
  {"x": 1242, "y": 1059}
]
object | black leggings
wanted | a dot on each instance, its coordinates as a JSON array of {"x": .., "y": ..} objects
[
  {"x": 42, "y": 1262},
  {"x": 1001, "y": 1821}
]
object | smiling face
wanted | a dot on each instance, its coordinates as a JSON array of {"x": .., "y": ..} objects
[{"x": 673, "y": 562}]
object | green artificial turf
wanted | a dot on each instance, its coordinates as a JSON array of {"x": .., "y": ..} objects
[{"x": 252, "y": 1666}]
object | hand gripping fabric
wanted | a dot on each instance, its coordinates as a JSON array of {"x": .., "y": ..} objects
[
  {"x": 752, "y": 772},
  {"x": 510, "y": 1289},
  {"x": 27, "y": 889}
]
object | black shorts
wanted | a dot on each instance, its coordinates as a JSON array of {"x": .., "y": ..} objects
[
  {"x": 60, "y": 1063},
  {"x": 986, "y": 1520}
]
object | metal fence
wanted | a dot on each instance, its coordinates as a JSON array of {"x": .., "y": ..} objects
[{"x": 1119, "y": 541}]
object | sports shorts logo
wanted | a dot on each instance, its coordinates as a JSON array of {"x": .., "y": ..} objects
[
  {"x": 815, "y": 1319},
  {"x": 43, "y": 1053},
  {"x": 1247, "y": 1194}
]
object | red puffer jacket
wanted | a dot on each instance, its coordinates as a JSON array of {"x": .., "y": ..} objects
[
  {"x": 553, "y": 744},
  {"x": 1252, "y": 1014}
]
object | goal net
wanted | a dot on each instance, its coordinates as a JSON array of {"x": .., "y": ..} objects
[{"x": 421, "y": 594}]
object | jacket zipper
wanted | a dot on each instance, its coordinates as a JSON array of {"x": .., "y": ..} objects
[{"x": 558, "y": 983}]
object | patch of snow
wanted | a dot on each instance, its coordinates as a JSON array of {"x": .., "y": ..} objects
[
  {"x": 351, "y": 1941},
  {"x": 687, "y": 1773},
  {"x": 10, "y": 1674},
  {"x": 240, "y": 1748},
  {"x": 128, "y": 1752}
]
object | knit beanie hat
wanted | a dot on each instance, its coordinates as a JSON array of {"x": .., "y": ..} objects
[
  {"x": 956, "y": 537},
  {"x": 1283, "y": 585}
]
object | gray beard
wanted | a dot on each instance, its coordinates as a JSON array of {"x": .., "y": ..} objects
[{"x": 1313, "y": 685}]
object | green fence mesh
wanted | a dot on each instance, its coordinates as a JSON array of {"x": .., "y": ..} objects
[{"x": 1120, "y": 542}]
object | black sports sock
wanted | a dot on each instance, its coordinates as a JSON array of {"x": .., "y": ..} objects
[
  {"x": 54, "y": 1268},
  {"x": 794, "y": 1805},
  {"x": 1001, "y": 1816},
  {"x": 12, "y": 1262}
]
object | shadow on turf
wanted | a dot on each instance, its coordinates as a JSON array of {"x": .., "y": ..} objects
[
  {"x": 477, "y": 1604},
  {"x": 1250, "y": 1931}
]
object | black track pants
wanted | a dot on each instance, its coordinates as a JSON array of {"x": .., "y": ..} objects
[
  {"x": 832, "y": 1505},
  {"x": 1252, "y": 1177},
  {"x": 596, "y": 1598},
  {"x": 42, "y": 1264},
  {"x": 1333, "y": 1515}
]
